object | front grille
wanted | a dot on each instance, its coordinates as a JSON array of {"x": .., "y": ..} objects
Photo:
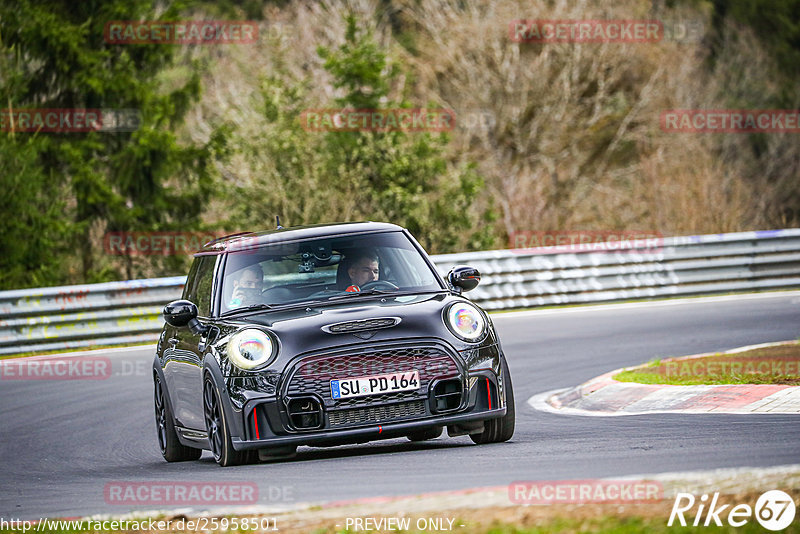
[
  {"x": 312, "y": 375},
  {"x": 358, "y": 326},
  {"x": 377, "y": 414}
]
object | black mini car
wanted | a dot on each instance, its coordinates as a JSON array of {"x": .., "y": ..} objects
[{"x": 324, "y": 335}]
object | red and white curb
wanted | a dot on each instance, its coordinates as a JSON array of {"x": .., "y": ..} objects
[{"x": 603, "y": 396}]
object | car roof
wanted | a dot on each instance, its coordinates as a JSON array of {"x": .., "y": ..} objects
[{"x": 294, "y": 233}]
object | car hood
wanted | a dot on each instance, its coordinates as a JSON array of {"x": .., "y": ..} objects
[{"x": 301, "y": 330}]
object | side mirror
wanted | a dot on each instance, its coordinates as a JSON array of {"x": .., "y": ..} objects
[
  {"x": 178, "y": 313},
  {"x": 464, "y": 277}
]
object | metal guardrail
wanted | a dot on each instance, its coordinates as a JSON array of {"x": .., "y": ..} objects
[
  {"x": 123, "y": 312},
  {"x": 678, "y": 266},
  {"x": 84, "y": 315}
]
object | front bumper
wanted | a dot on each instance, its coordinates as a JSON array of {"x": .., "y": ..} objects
[
  {"x": 365, "y": 434},
  {"x": 264, "y": 421}
]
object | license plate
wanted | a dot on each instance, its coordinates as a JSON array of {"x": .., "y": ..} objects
[{"x": 373, "y": 385}]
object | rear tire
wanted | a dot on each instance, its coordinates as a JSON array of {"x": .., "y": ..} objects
[
  {"x": 424, "y": 435},
  {"x": 171, "y": 448},
  {"x": 501, "y": 429},
  {"x": 219, "y": 437}
]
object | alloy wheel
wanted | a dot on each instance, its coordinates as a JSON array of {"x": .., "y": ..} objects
[
  {"x": 161, "y": 416},
  {"x": 213, "y": 419}
]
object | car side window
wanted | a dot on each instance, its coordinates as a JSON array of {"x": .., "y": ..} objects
[
  {"x": 201, "y": 284},
  {"x": 190, "y": 280}
]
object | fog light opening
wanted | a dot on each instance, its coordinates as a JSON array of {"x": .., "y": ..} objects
[
  {"x": 305, "y": 413},
  {"x": 446, "y": 395}
]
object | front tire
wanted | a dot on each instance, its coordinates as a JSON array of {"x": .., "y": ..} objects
[
  {"x": 219, "y": 438},
  {"x": 501, "y": 429},
  {"x": 171, "y": 448}
]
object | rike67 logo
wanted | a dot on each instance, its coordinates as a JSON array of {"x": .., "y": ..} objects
[{"x": 774, "y": 510}]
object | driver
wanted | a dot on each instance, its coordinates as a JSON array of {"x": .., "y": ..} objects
[
  {"x": 363, "y": 270},
  {"x": 247, "y": 288}
]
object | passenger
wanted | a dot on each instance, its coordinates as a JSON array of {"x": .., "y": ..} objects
[{"x": 247, "y": 288}]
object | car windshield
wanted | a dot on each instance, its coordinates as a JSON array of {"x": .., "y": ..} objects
[{"x": 325, "y": 268}]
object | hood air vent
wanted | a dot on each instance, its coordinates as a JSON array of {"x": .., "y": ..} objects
[{"x": 350, "y": 327}]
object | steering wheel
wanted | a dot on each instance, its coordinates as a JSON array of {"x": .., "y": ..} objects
[{"x": 379, "y": 284}]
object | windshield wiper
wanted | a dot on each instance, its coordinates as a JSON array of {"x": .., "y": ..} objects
[
  {"x": 365, "y": 292},
  {"x": 251, "y": 307}
]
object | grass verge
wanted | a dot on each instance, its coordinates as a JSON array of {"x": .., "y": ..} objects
[{"x": 779, "y": 364}]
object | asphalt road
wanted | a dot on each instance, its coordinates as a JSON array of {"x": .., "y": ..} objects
[{"x": 63, "y": 441}]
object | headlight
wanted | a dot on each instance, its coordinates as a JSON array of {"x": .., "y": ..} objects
[
  {"x": 466, "y": 321},
  {"x": 250, "y": 348}
]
